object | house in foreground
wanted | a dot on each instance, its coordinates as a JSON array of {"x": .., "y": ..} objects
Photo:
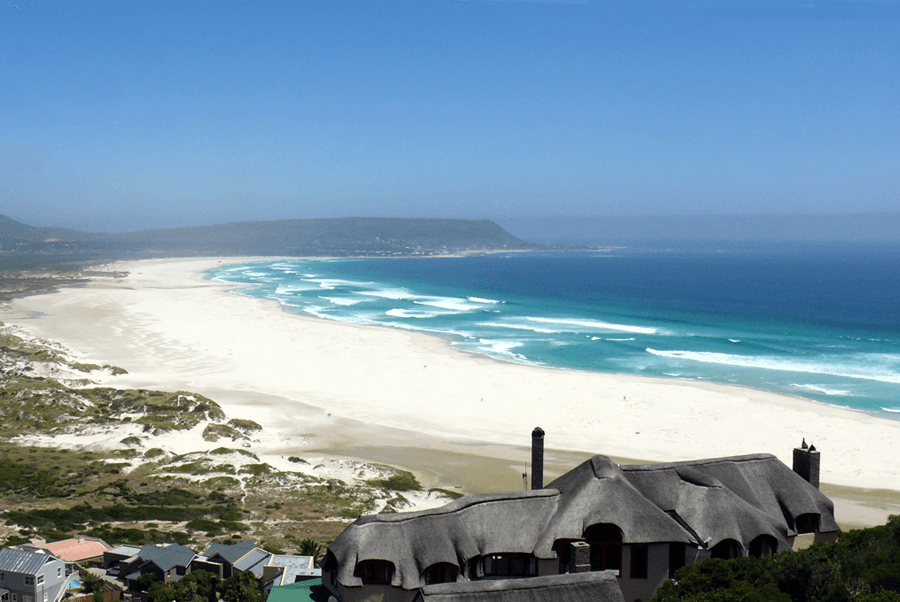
[
  {"x": 31, "y": 576},
  {"x": 640, "y": 523}
]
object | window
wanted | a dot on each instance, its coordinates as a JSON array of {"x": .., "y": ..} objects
[
  {"x": 639, "y": 561},
  {"x": 330, "y": 566},
  {"x": 59, "y": 571},
  {"x": 725, "y": 549},
  {"x": 561, "y": 546},
  {"x": 2, "y": 577},
  {"x": 29, "y": 579},
  {"x": 764, "y": 545},
  {"x": 606, "y": 546},
  {"x": 442, "y": 572},
  {"x": 807, "y": 523},
  {"x": 508, "y": 565},
  {"x": 375, "y": 572},
  {"x": 40, "y": 579},
  {"x": 676, "y": 557}
]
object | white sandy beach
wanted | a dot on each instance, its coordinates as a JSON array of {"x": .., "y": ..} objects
[{"x": 300, "y": 376}]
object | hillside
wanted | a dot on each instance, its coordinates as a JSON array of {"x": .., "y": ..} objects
[{"x": 332, "y": 237}]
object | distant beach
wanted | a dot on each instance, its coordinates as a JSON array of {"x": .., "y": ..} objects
[{"x": 384, "y": 393}]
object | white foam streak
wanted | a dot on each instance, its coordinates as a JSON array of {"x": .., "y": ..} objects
[
  {"x": 483, "y": 301},
  {"x": 594, "y": 325},
  {"x": 344, "y": 301},
  {"x": 517, "y": 327},
  {"x": 410, "y": 313},
  {"x": 866, "y": 369},
  {"x": 823, "y": 390}
]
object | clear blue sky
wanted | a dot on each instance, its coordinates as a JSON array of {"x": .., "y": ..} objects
[{"x": 126, "y": 115}]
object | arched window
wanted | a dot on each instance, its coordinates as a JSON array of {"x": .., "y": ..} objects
[
  {"x": 807, "y": 523},
  {"x": 375, "y": 572},
  {"x": 725, "y": 549},
  {"x": 605, "y": 540},
  {"x": 442, "y": 572},
  {"x": 509, "y": 565},
  {"x": 330, "y": 566},
  {"x": 764, "y": 545}
]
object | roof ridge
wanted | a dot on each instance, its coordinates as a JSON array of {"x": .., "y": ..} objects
[
  {"x": 457, "y": 505},
  {"x": 703, "y": 462}
]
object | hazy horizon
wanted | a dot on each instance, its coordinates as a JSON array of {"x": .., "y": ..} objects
[{"x": 122, "y": 116}]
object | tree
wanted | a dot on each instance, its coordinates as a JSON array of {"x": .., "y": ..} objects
[
  {"x": 197, "y": 586},
  {"x": 310, "y": 547},
  {"x": 146, "y": 581},
  {"x": 161, "y": 592},
  {"x": 241, "y": 587},
  {"x": 90, "y": 583}
]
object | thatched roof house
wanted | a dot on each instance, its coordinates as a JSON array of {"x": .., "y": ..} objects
[{"x": 643, "y": 521}]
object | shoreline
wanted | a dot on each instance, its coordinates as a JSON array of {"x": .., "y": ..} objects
[
  {"x": 451, "y": 338},
  {"x": 172, "y": 328}
]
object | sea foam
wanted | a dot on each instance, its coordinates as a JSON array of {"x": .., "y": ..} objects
[
  {"x": 593, "y": 325},
  {"x": 845, "y": 367}
]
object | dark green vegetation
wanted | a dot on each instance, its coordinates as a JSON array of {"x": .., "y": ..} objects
[
  {"x": 399, "y": 481},
  {"x": 858, "y": 568},
  {"x": 331, "y": 237},
  {"x": 201, "y": 586},
  {"x": 43, "y": 405}
]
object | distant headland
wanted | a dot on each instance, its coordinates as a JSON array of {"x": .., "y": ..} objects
[{"x": 340, "y": 237}]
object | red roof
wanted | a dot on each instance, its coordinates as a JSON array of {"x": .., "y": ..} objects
[{"x": 74, "y": 550}]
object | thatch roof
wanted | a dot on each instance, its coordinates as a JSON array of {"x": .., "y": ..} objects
[
  {"x": 576, "y": 587},
  {"x": 737, "y": 498},
  {"x": 471, "y": 526}
]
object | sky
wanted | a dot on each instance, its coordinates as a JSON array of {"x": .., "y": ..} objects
[{"x": 128, "y": 115}]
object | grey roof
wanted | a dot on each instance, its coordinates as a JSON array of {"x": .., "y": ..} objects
[
  {"x": 471, "y": 526},
  {"x": 231, "y": 553},
  {"x": 576, "y": 587},
  {"x": 22, "y": 561},
  {"x": 167, "y": 557},
  {"x": 124, "y": 550},
  {"x": 737, "y": 498},
  {"x": 293, "y": 567},
  {"x": 253, "y": 562}
]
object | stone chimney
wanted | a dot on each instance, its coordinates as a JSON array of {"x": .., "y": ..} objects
[
  {"x": 579, "y": 557},
  {"x": 537, "y": 458},
  {"x": 806, "y": 463}
]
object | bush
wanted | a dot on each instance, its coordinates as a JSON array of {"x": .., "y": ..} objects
[{"x": 399, "y": 481}]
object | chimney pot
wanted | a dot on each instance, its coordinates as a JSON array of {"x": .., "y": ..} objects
[
  {"x": 806, "y": 464},
  {"x": 537, "y": 458}
]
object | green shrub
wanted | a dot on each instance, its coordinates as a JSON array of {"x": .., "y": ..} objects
[{"x": 399, "y": 481}]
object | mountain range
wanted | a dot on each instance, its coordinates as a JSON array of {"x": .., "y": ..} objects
[{"x": 312, "y": 237}]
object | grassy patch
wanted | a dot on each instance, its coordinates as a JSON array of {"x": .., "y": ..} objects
[
  {"x": 248, "y": 426},
  {"x": 399, "y": 481},
  {"x": 453, "y": 495},
  {"x": 257, "y": 470}
]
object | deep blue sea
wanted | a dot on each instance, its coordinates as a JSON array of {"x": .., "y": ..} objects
[{"x": 819, "y": 322}]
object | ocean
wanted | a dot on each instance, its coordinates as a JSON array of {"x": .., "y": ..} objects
[{"x": 821, "y": 322}]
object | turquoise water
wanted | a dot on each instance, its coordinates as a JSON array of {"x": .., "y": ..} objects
[{"x": 822, "y": 323}]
